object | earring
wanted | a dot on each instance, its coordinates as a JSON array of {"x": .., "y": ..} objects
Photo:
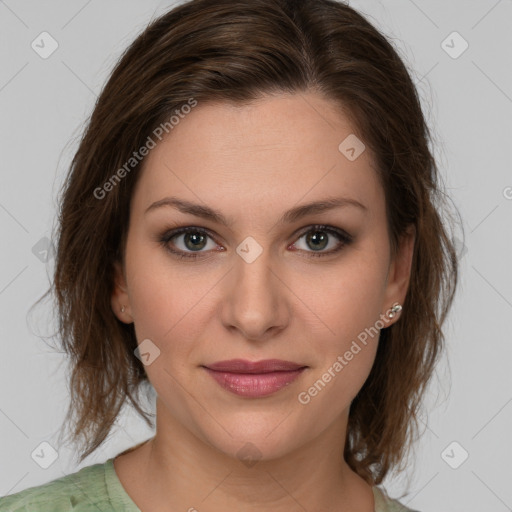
[
  {"x": 394, "y": 310},
  {"x": 122, "y": 309}
]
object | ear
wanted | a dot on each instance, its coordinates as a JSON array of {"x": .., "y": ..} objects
[
  {"x": 399, "y": 273},
  {"x": 119, "y": 297}
]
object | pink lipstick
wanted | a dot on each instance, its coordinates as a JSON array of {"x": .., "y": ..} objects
[{"x": 254, "y": 379}]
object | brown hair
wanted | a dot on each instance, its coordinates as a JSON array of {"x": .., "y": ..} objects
[{"x": 236, "y": 51}]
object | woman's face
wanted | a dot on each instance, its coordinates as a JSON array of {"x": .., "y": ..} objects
[{"x": 266, "y": 285}]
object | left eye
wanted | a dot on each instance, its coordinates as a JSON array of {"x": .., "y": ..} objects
[
  {"x": 319, "y": 237},
  {"x": 196, "y": 239}
]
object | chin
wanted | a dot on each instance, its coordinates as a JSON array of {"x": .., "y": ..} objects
[{"x": 255, "y": 437}]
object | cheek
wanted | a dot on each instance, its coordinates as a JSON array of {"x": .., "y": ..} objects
[
  {"x": 169, "y": 302},
  {"x": 349, "y": 300},
  {"x": 158, "y": 294},
  {"x": 345, "y": 358},
  {"x": 348, "y": 328}
]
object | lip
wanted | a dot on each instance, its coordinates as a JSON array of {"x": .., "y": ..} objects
[
  {"x": 254, "y": 379},
  {"x": 264, "y": 366}
]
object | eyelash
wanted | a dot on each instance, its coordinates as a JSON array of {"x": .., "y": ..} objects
[{"x": 164, "y": 239}]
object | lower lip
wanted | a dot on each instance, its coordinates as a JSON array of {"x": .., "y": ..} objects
[{"x": 254, "y": 385}]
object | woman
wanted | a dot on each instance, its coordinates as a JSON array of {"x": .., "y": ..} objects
[{"x": 251, "y": 226}]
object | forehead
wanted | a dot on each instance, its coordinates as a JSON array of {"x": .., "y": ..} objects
[{"x": 276, "y": 150}]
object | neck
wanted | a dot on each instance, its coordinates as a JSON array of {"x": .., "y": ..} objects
[{"x": 181, "y": 469}]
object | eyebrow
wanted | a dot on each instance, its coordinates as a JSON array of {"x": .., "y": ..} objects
[{"x": 290, "y": 216}]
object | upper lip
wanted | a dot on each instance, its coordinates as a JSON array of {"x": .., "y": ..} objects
[{"x": 264, "y": 366}]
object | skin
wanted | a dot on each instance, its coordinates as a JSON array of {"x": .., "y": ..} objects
[{"x": 253, "y": 163}]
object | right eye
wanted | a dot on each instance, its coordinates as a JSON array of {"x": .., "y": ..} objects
[{"x": 194, "y": 239}]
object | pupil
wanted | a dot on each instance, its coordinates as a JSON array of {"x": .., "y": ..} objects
[
  {"x": 317, "y": 236},
  {"x": 196, "y": 240}
]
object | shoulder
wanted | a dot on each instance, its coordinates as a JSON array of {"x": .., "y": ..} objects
[
  {"x": 383, "y": 503},
  {"x": 80, "y": 491}
]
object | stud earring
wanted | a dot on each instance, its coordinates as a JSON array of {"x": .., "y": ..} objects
[
  {"x": 122, "y": 309},
  {"x": 394, "y": 310}
]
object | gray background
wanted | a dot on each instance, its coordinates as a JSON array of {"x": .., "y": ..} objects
[{"x": 468, "y": 100}]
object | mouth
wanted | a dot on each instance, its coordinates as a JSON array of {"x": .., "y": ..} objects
[{"x": 254, "y": 379}]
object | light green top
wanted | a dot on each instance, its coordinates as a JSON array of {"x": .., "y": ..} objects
[{"x": 97, "y": 488}]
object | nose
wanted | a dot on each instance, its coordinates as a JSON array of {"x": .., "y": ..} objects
[{"x": 254, "y": 299}]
